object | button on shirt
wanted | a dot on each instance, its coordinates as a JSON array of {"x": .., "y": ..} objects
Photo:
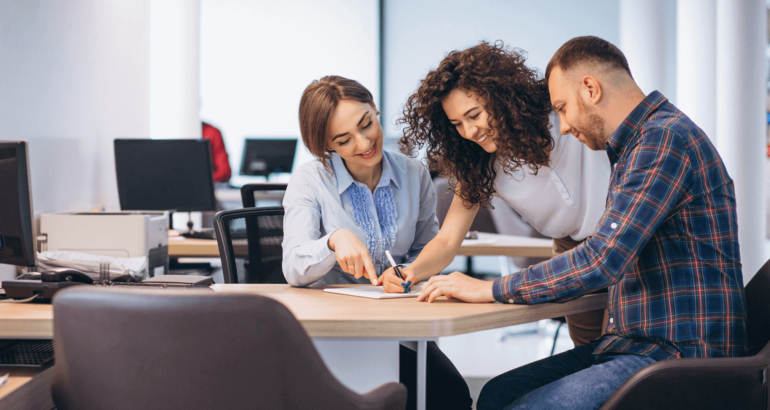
[
  {"x": 667, "y": 244},
  {"x": 317, "y": 203}
]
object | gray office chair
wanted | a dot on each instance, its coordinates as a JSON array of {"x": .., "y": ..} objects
[
  {"x": 191, "y": 349},
  {"x": 248, "y": 190},
  {"x": 715, "y": 383},
  {"x": 249, "y": 242}
]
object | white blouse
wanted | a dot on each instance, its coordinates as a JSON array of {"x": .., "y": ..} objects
[{"x": 564, "y": 199}]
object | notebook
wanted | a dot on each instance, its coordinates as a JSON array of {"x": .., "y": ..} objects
[{"x": 375, "y": 292}]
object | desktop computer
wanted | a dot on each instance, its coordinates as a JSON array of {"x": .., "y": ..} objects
[
  {"x": 132, "y": 233},
  {"x": 17, "y": 246},
  {"x": 265, "y": 156},
  {"x": 165, "y": 175}
]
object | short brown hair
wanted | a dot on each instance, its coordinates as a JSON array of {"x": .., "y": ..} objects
[
  {"x": 587, "y": 49},
  {"x": 316, "y": 108}
]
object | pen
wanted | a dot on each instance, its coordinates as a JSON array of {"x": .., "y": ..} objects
[{"x": 398, "y": 271}]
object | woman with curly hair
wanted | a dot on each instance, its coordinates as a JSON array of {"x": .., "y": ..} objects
[{"x": 484, "y": 117}]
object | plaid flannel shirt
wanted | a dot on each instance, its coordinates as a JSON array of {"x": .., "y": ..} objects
[{"x": 667, "y": 246}]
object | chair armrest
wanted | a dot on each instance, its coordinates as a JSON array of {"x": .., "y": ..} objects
[
  {"x": 389, "y": 396},
  {"x": 714, "y": 383}
]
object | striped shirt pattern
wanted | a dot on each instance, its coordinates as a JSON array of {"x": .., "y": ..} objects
[{"x": 667, "y": 246}]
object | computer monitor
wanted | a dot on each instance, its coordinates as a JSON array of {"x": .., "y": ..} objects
[
  {"x": 266, "y": 156},
  {"x": 17, "y": 233},
  {"x": 172, "y": 175}
]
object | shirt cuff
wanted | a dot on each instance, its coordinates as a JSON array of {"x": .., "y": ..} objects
[
  {"x": 323, "y": 251},
  {"x": 503, "y": 290}
]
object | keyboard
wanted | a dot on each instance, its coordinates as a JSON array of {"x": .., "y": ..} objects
[
  {"x": 205, "y": 234},
  {"x": 146, "y": 285}
]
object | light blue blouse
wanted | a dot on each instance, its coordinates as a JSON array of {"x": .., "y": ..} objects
[{"x": 317, "y": 203}]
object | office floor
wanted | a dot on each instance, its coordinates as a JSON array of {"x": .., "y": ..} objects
[{"x": 481, "y": 356}]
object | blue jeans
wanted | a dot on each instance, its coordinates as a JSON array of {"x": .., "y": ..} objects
[{"x": 575, "y": 379}]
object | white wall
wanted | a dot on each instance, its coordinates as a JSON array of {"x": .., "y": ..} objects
[
  {"x": 648, "y": 40},
  {"x": 418, "y": 34},
  {"x": 74, "y": 76},
  {"x": 174, "y": 65},
  {"x": 258, "y": 57}
]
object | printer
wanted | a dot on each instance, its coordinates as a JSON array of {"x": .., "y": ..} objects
[{"x": 125, "y": 234}]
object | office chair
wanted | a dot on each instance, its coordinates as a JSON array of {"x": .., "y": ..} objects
[
  {"x": 501, "y": 219},
  {"x": 249, "y": 242},
  {"x": 247, "y": 192},
  {"x": 714, "y": 383},
  {"x": 482, "y": 223},
  {"x": 192, "y": 349}
]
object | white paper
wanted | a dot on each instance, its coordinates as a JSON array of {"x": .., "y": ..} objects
[
  {"x": 90, "y": 264},
  {"x": 470, "y": 242},
  {"x": 375, "y": 292}
]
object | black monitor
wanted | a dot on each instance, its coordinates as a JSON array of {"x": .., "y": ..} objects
[
  {"x": 266, "y": 156},
  {"x": 17, "y": 239},
  {"x": 172, "y": 175}
]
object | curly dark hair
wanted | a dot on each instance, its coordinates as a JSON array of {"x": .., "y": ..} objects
[{"x": 518, "y": 103}]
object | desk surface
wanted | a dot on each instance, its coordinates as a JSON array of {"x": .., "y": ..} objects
[
  {"x": 488, "y": 244},
  {"x": 329, "y": 315},
  {"x": 27, "y": 388}
]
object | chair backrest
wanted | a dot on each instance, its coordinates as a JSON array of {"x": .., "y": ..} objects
[
  {"x": 758, "y": 306},
  {"x": 483, "y": 221},
  {"x": 186, "y": 349},
  {"x": 247, "y": 192},
  {"x": 499, "y": 219},
  {"x": 249, "y": 242}
]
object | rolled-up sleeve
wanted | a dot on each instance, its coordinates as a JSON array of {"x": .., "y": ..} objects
[
  {"x": 306, "y": 254},
  {"x": 643, "y": 195}
]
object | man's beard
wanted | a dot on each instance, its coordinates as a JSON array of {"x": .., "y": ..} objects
[{"x": 591, "y": 126}]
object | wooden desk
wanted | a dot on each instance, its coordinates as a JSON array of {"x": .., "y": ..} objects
[
  {"x": 487, "y": 244},
  {"x": 347, "y": 330},
  {"x": 26, "y": 389},
  {"x": 329, "y": 315}
]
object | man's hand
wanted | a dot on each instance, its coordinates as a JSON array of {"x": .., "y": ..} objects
[
  {"x": 391, "y": 283},
  {"x": 457, "y": 286}
]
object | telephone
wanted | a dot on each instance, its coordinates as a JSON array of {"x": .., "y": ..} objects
[
  {"x": 45, "y": 284},
  {"x": 66, "y": 275}
]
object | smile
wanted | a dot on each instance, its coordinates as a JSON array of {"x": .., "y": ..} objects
[
  {"x": 482, "y": 139},
  {"x": 369, "y": 153}
]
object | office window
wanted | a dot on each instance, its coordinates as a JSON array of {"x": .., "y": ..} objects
[
  {"x": 258, "y": 57},
  {"x": 418, "y": 34}
]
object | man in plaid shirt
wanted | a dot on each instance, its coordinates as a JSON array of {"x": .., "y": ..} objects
[{"x": 667, "y": 245}]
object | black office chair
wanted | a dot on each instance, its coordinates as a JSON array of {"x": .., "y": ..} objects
[
  {"x": 249, "y": 242},
  {"x": 192, "y": 349},
  {"x": 715, "y": 383},
  {"x": 247, "y": 192}
]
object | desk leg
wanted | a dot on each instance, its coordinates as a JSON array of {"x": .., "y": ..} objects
[
  {"x": 422, "y": 362},
  {"x": 421, "y": 347}
]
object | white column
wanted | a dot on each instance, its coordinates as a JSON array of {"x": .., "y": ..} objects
[
  {"x": 643, "y": 40},
  {"x": 174, "y": 69},
  {"x": 696, "y": 62},
  {"x": 741, "y": 123}
]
